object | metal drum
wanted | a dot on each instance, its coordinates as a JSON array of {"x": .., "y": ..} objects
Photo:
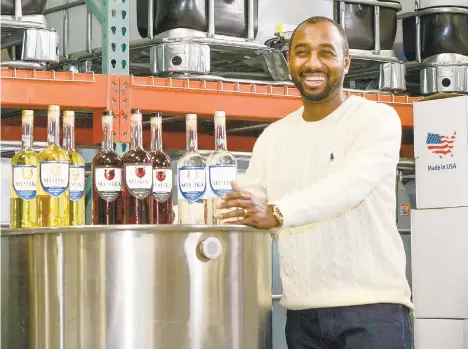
[
  {"x": 369, "y": 24},
  {"x": 145, "y": 287},
  {"x": 435, "y": 41}
]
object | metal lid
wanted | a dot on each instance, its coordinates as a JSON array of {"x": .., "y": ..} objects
[{"x": 131, "y": 229}]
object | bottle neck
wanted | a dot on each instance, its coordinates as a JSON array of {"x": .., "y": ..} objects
[
  {"x": 136, "y": 140},
  {"x": 107, "y": 136},
  {"x": 220, "y": 135},
  {"x": 27, "y": 136},
  {"x": 69, "y": 136},
  {"x": 156, "y": 137},
  {"x": 53, "y": 130},
  {"x": 192, "y": 141}
]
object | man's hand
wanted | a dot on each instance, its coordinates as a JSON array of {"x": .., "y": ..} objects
[{"x": 248, "y": 210}]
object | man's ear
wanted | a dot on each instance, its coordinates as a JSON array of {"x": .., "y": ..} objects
[{"x": 347, "y": 63}]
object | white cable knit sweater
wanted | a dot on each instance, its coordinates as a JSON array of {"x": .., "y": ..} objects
[{"x": 334, "y": 182}]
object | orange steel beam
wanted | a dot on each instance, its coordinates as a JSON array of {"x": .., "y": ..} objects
[
  {"x": 240, "y": 101},
  {"x": 75, "y": 91},
  {"x": 97, "y": 92}
]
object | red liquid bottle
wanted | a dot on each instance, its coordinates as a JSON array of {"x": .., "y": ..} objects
[
  {"x": 160, "y": 200},
  {"x": 107, "y": 178},
  {"x": 137, "y": 174}
]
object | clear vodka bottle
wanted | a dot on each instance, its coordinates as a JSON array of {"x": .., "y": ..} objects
[
  {"x": 191, "y": 179},
  {"x": 221, "y": 167}
]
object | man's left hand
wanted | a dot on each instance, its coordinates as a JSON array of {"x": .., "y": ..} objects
[{"x": 249, "y": 210}]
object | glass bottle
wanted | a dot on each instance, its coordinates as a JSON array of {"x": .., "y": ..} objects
[
  {"x": 191, "y": 174},
  {"x": 221, "y": 167},
  {"x": 77, "y": 171},
  {"x": 23, "y": 203},
  {"x": 107, "y": 178},
  {"x": 160, "y": 200},
  {"x": 138, "y": 175},
  {"x": 54, "y": 171}
]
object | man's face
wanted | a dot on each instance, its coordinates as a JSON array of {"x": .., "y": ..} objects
[{"x": 316, "y": 61}]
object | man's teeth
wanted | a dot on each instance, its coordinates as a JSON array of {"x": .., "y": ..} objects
[{"x": 315, "y": 78}]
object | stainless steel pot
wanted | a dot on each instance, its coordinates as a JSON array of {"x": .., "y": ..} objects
[{"x": 127, "y": 287}]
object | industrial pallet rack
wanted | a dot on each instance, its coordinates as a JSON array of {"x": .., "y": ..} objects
[{"x": 250, "y": 107}]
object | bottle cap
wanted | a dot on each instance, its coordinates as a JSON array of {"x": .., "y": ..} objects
[
  {"x": 191, "y": 120},
  {"x": 27, "y": 113},
  {"x": 54, "y": 108},
  {"x": 219, "y": 117},
  {"x": 68, "y": 114},
  {"x": 136, "y": 116},
  {"x": 156, "y": 119},
  {"x": 107, "y": 118},
  {"x": 219, "y": 114},
  {"x": 68, "y": 117},
  {"x": 27, "y": 116}
]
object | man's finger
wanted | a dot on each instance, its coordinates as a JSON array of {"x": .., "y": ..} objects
[
  {"x": 235, "y": 203},
  {"x": 232, "y": 198},
  {"x": 247, "y": 221},
  {"x": 239, "y": 213},
  {"x": 235, "y": 195},
  {"x": 236, "y": 188}
]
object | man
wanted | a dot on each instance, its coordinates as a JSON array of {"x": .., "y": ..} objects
[{"x": 324, "y": 177}]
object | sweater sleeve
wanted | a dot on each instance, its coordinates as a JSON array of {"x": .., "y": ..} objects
[
  {"x": 372, "y": 155},
  {"x": 254, "y": 178}
]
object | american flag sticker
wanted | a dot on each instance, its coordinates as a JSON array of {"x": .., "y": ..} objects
[{"x": 440, "y": 144}]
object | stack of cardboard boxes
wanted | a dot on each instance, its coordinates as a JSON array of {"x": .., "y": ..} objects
[{"x": 439, "y": 224}]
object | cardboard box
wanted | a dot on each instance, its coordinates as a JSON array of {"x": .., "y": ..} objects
[
  {"x": 441, "y": 152},
  {"x": 439, "y": 259},
  {"x": 440, "y": 334}
]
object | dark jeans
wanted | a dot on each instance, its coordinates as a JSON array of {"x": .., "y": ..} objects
[{"x": 373, "y": 326}]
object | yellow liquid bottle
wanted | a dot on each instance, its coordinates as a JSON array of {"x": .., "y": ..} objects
[
  {"x": 77, "y": 171},
  {"x": 23, "y": 201},
  {"x": 53, "y": 206}
]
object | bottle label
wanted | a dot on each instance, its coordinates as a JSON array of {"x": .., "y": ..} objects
[
  {"x": 77, "y": 182},
  {"x": 221, "y": 178},
  {"x": 192, "y": 182},
  {"x": 55, "y": 177},
  {"x": 108, "y": 182},
  {"x": 139, "y": 179},
  {"x": 162, "y": 184},
  {"x": 25, "y": 181}
]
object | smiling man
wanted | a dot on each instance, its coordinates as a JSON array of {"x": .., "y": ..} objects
[{"x": 324, "y": 177}]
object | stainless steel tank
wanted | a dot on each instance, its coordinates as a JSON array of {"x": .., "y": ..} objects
[{"x": 127, "y": 287}]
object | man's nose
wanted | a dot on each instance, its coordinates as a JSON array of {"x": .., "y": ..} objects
[{"x": 314, "y": 61}]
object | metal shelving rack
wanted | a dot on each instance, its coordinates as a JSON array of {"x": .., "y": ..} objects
[{"x": 250, "y": 106}]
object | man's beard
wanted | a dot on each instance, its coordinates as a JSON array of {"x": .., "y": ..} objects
[{"x": 332, "y": 85}]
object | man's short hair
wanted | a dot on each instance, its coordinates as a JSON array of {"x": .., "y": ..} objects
[{"x": 319, "y": 19}]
